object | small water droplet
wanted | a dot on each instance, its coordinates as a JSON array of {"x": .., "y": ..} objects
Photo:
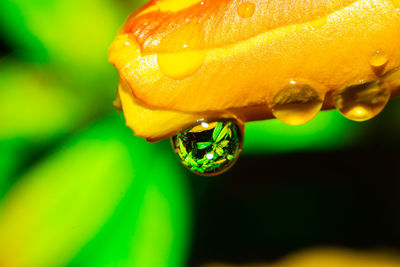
[
  {"x": 246, "y": 9},
  {"x": 318, "y": 22},
  {"x": 181, "y": 65},
  {"x": 209, "y": 148},
  {"x": 296, "y": 103},
  {"x": 363, "y": 101},
  {"x": 378, "y": 61}
]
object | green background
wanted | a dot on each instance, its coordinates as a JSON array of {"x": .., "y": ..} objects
[{"x": 77, "y": 188}]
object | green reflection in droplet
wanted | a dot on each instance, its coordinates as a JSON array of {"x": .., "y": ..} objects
[{"x": 209, "y": 148}]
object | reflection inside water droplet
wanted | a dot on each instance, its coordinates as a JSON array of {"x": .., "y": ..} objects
[
  {"x": 296, "y": 103},
  {"x": 392, "y": 80},
  {"x": 362, "y": 102},
  {"x": 209, "y": 148}
]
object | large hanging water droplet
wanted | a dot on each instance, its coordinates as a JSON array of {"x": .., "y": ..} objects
[
  {"x": 246, "y": 9},
  {"x": 209, "y": 148},
  {"x": 363, "y": 101},
  {"x": 296, "y": 103}
]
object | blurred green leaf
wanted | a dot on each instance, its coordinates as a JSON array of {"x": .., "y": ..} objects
[
  {"x": 14, "y": 27},
  {"x": 35, "y": 112},
  {"x": 34, "y": 106},
  {"x": 9, "y": 160},
  {"x": 150, "y": 227},
  {"x": 64, "y": 201},
  {"x": 77, "y": 32},
  {"x": 72, "y": 36}
]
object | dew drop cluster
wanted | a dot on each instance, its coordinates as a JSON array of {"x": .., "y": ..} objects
[
  {"x": 212, "y": 147},
  {"x": 298, "y": 102}
]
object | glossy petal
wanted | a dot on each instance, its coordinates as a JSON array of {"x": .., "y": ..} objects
[{"x": 205, "y": 57}]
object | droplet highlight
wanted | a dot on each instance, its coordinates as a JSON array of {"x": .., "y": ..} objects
[
  {"x": 181, "y": 65},
  {"x": 209, "y": 148},
  {"x": 296, "y": 103},
  {"x": 362, "y": 102},
  {"x": 378, "y": 61},
  {"x": 246, "y": 9}
]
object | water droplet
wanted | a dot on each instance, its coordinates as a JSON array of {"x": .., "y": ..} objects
[
  {"x": 296, "y": 103},
  {"x": 363, "y": 101},
  {"x": 209, "y": 148},
  {"x": 318, "y": 22},
  {"x": 246, "y": 9},
  {"x": 188, "y": 36},
  {"x": 378, "y": 61},
  {"x": 181, "y": 65}
]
